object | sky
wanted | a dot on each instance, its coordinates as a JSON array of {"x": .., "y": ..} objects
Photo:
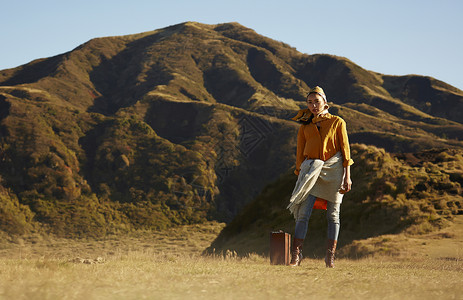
[{"x": 394, "y": 37}]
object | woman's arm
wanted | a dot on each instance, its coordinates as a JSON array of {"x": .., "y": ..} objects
[
  {"x": 345, "y": 149},
  {"x": 300, "y": 149},
  {"x": 344, "y": 143}
]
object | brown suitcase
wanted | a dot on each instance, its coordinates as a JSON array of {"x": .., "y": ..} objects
[{"x": 280, "y": 243}]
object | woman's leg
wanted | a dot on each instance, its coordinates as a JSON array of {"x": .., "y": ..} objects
[
  {"x": 303, "y": 217},
  {"x": 334, "y": 224},
  {"x": 302, "y": 221},
  {"x": 332, "y": 216}
]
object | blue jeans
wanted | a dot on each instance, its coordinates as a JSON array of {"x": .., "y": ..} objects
[{"x": 332, "y": 216}]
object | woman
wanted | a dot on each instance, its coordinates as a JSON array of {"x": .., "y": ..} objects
[{"x": 323, "y": 167}]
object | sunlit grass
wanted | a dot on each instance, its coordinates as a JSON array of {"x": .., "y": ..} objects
[
  {"x": 169, "y": 265},
  {"x": 149, "y": 275}
]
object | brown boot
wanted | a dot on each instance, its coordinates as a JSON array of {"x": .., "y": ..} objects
[
  {"x": 296, "y": 252},
  {"x": 330, "y": 250}
]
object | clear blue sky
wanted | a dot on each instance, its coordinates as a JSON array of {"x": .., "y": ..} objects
[{"x": 389, "y": 36}]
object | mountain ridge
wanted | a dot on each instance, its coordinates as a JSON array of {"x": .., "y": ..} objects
[{"x": 187, "y": 123}]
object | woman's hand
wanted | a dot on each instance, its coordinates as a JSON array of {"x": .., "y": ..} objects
[
  {"x": 346, "y": 185},
  {"x": 346, "y": 181}
]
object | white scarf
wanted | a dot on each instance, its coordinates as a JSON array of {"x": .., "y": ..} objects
[{"x": 321, "y": 179}]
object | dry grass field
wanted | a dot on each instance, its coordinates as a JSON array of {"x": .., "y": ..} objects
[{"x": 169, "y": 265}]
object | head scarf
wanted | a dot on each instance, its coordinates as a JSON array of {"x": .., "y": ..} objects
[{"x": 317, "y": 90}]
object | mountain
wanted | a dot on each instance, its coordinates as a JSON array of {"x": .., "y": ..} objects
[{"x": 185, "y": 123}]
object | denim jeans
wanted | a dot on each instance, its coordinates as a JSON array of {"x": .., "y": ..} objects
[{"x": 332, "y": 216}]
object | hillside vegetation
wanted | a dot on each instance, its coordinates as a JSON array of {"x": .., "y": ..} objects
[
  {"x": 411, "y": 194},
  {"x": 185, "y": 124}
]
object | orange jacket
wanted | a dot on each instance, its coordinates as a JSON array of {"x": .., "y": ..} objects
[{"x": 323, "y": 143}]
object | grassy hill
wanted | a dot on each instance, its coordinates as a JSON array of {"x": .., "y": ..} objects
[
  {"x": 185, "y": 124},
  {"x": 406, "y": 193}
]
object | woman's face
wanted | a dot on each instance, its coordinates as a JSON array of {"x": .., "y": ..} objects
[{"x": 315, "y": 103}]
